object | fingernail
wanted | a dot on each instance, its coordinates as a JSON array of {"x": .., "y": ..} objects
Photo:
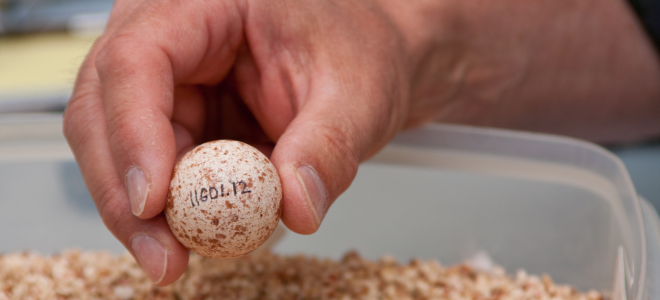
[
  {"x": 151, "y": 256},
  {"x": 138, "y": 188},
  {"x": 317, "y": 197}
]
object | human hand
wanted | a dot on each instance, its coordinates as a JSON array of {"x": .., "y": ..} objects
[
  {"x": 330, "y": 82},
  {"x": 325, "y": 80}
]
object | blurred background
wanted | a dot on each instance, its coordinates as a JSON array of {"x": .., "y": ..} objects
[{"x": 42, "y": 43}]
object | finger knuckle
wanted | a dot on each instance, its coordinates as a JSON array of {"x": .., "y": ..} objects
[
  {"x": 117, "y": 54},
  {"x": 70, "y": 121},
  {"x": 79, "y": 115},
  {"x": 122, "y": 125},
  {"x": 341, "y": 141}
]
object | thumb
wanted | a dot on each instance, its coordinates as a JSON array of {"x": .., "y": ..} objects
[{"x": 318, "y": 155}]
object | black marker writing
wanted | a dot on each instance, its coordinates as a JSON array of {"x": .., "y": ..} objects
[
  {"x": 244, "y": 186},
  {"x": 212, "y": 192},
  {"x": 202, "y": 196}
]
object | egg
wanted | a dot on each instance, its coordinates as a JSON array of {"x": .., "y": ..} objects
[{"x": 225, "y": 199}]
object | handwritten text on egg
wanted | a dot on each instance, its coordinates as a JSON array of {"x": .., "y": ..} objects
[{"x": 213, "y": 192}]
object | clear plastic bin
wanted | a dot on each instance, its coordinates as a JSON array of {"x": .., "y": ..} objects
[{"x": 547, "y": 204}]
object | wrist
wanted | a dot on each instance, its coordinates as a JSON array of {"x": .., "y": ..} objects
[
  {"x": 418, "y": 22},
  {"x": 436, "y": 42}
]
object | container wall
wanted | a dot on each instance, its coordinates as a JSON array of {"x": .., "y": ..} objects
[{"x": 567, "y": 232}]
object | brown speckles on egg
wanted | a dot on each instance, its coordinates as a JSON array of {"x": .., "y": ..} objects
[
  {"x": 228, "y": 204},
  {"x": 242, "y": 218}
]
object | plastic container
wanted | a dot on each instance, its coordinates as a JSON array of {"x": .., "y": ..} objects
[{"x": 543, "y": 203}]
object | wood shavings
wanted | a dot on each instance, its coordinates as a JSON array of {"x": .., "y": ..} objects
[{"x": 98, "y": 275}]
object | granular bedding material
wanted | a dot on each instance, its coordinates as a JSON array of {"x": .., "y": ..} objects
[{"x": 99, "y": 275}]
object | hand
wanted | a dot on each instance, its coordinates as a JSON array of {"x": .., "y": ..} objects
[
  {"x": 322, "y": 85},
  {"x": 326, "y": 80}
]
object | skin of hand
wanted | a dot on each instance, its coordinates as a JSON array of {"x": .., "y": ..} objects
[{"x": 320, "y": 86}]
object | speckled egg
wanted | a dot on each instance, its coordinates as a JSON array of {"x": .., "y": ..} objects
[{"x": 224, "y": 199}]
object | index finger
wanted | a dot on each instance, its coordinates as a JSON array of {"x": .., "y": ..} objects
[
  {"x": 138, "y": 70},
  {"x": 162, "y": 257}
]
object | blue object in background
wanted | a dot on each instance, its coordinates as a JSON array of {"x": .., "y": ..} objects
[{"x": 29, "y": 16}]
